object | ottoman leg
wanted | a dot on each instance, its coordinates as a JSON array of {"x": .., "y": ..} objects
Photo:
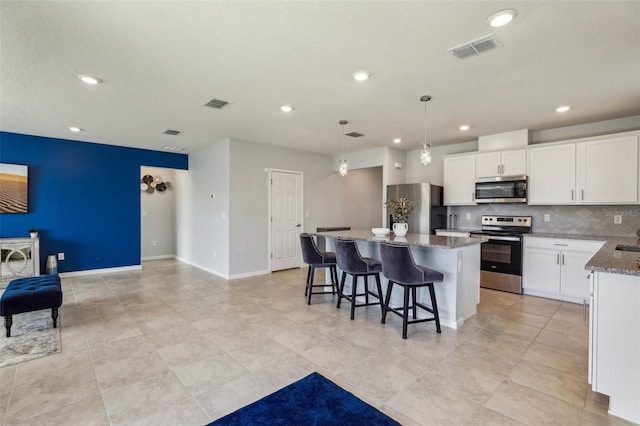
[
  {"x": 54, "y": 317},
  {"x": 8, "y": 322}
]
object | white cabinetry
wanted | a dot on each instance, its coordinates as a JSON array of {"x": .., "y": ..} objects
[
  {"x": 614, "y": 342},
  {"x": 607, "y": 171},
  {"x": 20, "y": 258},
  {"x": 459, "y": 180},
  {"x": 552, "y": 174},
  {"x": 554, "y": 267},
  {"x": 501, "y": 163},
  {"x": 603, "y": 171}
]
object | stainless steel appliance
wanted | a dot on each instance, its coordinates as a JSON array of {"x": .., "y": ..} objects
[
  {"x": 429, "y": 214},
  {"x": 501, "y": 256},
  {"x": 501, "y": 189}
]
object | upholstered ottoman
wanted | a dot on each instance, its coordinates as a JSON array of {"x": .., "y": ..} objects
[{"x": 31, "y": 294}]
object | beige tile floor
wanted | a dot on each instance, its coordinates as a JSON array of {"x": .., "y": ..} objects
[{"x": 174, "y": 345}]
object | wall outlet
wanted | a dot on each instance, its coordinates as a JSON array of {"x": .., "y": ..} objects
[
  {"x": 547, "y": 218},
  {"x": 60, "y": 256},
  {"x": 468, "y": 216},
  {"x": 617, "y": 219}
]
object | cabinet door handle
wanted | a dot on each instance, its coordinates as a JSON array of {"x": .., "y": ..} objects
[
  {"x": 572, "y": 195},
  {"x": 563, "y": 258},
  {"x": 558, "y": 259},
  {"x": 584, "y": 310},
  {"x": 582, "y": 194}
]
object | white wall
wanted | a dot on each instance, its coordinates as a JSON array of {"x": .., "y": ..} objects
[
  {"x": 361, "y": 191},
  {"x": 158, "y": 219},
  {"x": 203, "y": 230},
  {"x": 249, "y": 201}
]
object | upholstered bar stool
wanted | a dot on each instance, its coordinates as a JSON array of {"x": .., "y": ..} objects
[
  {"x": 317, "y": 259},
  {"x": 351, "y": 262},
  {"x": 399, "y": 268}
]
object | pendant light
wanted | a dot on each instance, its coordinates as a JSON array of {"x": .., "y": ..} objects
[
  {"x": 344, "y": 169},
  {"x": 425, "y": 147}
]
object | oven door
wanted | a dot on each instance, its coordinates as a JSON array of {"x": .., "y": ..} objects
[{"x": 502, "y": 254}]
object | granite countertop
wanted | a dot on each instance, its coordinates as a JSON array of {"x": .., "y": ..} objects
[
  {"x": 418, "y": 240},
  {"x": 613, "y": 261},
  {"x": 607, "y": 259}
]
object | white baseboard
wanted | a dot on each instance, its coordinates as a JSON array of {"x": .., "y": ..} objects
[
  {"x": 164, "y": 256},
  {"x": 100, "y": 271},
  {"x": 249, "y": 274},
  {"x": 204, "y": 268}
]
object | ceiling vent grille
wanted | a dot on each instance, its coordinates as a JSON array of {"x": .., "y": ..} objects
[
  {"x": 354, "y": 134},
  {"x": 172, "y": 132},
  {"x": 474, "y": 47},
  {"x": 216, "y": 103}
]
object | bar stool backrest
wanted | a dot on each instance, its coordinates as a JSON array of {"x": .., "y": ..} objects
[
  {"x": 310, "y": 253},
  {"x": 398, "y": 264},
  {"x": 348, "y": 257}
]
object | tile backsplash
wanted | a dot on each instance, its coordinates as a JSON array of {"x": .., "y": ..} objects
[{"x": 591, "y": 220}]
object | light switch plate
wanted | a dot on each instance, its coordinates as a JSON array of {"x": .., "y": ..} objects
[
  {"x": 547, "y": 218},
  {"x": 617, "y": 219}
]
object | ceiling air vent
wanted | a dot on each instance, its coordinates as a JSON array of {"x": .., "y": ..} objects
[
  {"x": 172, "y": 132},
  {"x": 475, "y": 47},
  {"x": 354, "y": 134},
  {"x": 216, "y": 103}
]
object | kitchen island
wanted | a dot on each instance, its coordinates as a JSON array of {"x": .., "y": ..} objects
[
  {"x": 614, "y": 327},
  {"x": 458, "y": 258}
]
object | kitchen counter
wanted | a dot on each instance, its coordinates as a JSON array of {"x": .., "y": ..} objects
[
  {"x": 613, "y": 261},
  {"x": 607, "y": 259},
  {"x": 458, "y": 258},
  {"x": 417, "y": 240}
]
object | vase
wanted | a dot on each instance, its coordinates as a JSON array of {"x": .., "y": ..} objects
[{"x": 400, "y": 229}]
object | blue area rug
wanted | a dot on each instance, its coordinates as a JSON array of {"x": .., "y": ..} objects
[{"x": 313, "y": 400}]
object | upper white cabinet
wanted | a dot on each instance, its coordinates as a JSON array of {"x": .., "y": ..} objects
[
  {"x": 607, "y": 171},
  {"x": 501, "y": 163},
  {"x": 603, "y": 171},
  {"x": 552, "y": 174},
  {"x": 459, "y": 180}
]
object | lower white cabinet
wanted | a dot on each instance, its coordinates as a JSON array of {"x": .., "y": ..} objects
[
  {"x": 614, "y": 342},
  {"x": 554, "y": 268}
]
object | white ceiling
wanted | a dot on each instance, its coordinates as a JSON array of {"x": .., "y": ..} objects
[{"x": 162, "y": 61}]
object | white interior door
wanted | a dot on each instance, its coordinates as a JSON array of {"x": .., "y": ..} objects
[{"x": 286, "y": 219}]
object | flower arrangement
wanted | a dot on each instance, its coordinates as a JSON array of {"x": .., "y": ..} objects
[{"x": 400, "y": 209}]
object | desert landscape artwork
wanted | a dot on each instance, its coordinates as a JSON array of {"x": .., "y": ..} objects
[{"x": 14, "y": 183}]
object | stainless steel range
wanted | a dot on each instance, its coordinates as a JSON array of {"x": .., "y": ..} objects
[{"x": 501, "y": 256}]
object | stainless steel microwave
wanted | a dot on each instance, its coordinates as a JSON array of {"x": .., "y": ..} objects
[{"x": 501, "y": 189}]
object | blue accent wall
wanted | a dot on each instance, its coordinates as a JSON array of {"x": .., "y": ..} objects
[{"x": 84, "y": 198}]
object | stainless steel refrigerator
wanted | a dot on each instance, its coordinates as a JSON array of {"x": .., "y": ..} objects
[{"x": 429, "y": 213}]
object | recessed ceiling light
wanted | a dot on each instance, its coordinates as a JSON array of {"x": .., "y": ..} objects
[
  {"x": 502, "y": 17},
  {"x": 361, "y": 75},
  {"x": 563, "y": 108},
  {"x": 89, "y": 79},
  {"x": 286, "y": 108},
  {"x": 75, "y": 129},
  {"x": 464, "y": 127},
  {"x": 397, "y": 140},
  {"x": 172, "y": 148}
]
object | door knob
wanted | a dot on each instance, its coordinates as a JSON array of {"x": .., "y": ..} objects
[{"x": 298, "y": 225}]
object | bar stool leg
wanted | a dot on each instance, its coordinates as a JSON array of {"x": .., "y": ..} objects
[
  {"x": 341, "y": 289},
  {"x": 366, "y": 289},
  {"x": 405, "y": 313},
  {"x": 310, "y": 283},
  {"x": 354, "y": 291},
  {"x": 385, "y": 305},
  {"x": 415, "y": 301},
  {"x": 306, "y": 288},
  {"x": 334, "y": 279},
  {"x": 380, "y": 296},
  {"x": 434, "y": 305}
]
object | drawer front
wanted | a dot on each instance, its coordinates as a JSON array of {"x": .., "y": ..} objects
[{"x": 563, "y": 244}]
